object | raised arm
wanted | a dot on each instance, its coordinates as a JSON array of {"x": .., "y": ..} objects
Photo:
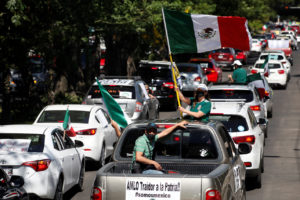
[
  {"x": 183, "y": 98},
  {"x": 172, "y": 128}
]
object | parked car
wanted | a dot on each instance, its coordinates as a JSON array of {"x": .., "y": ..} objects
[
  {"x": 224, "y": 57},
  {"x": 249, "y": 94},
  {"x": 47, "y": 159},
  {"x": 278, "y": 74},
  {"x": 130, "y": 93},
  {"x": 241, "y": 124},
  {"x": 158, "y": 75},
  {"x": 90, "y": 124},
  {"x": 210, "y": 68},
  {"x": 191, "y": 75},
  {"x": 200, "y": 162}
]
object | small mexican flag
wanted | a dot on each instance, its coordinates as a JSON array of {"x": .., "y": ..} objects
[
  {"x": 192, "y": 33},
  {"x": 67, "y": 120},
  {"x": 265, "y": 66}
]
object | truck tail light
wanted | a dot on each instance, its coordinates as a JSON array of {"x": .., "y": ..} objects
[
  {"x": 248, "y": 164},
  {"x": 169, "y": 85},
  {"x": 197, "y": 79},
  {"x": 138, "y": 107},
  {"x": 91, "y": 131},
  {"x": 213, "y": 195},
  {"x": 38, "y": 165},
  {"x": 97, "y": 194},
  {"x": 209, "y": 56},
  {"x": 248, "y": 138},
  {"x": 255, "y": 108},
  {"x": 231, "y": 57},
  {"x": 253, "y": 71},
  {"x": 281, "y": 71}
]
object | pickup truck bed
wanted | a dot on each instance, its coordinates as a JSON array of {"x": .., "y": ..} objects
[{"x": 124, "y": 168}]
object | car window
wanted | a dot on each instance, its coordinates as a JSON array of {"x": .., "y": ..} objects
[
  {"x": 229, "y": 145},
  {"x": 221, "y": 51},
  {"x": 57, "y": 116},
  {"x": 57, "y": 143},
  {"x": 101, "y": 118},
  {"x": 233, "y": 123},
  {"x": 252, "y": 118},
  {"x": 270, "y": 66},
  {"x": 106, "y": 116},
  {"x": 116, "y": 91},
  {"x": 187, "y": 69},
  {"x": 17, "y": 142},
  {"x": 148, "y": 72},
  {"x": 66, "y": 142},
  {"x": 231, "y": 94}
]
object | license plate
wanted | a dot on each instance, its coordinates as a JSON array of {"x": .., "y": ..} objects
[
  {"x": 8, "y": 171},
  {"x": 220, "y": 56}
]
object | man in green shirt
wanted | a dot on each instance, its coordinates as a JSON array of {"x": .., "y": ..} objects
[
  {"x": 144, "y": 145},
  {"x": 239, "y": 74}
]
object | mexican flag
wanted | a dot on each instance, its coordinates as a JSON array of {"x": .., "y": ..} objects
[
  {"x": 113, "y": 108},
  {"x": 67, "y": 120},
  {"x": 192, "y": 33}
]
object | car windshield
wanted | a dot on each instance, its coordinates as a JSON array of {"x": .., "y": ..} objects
[
  {"x": 233, "y": 123},
  {"x": 187, "y": 69},
  {"x": 148, "y": 72},
  {"x": 272, "y": 57},
  {"x": 20, "y": 143},
  {"x": 191, "y": 143},
  {"x": 203, "y": 64},
  {"x": 270, "y": 66},
  {"x": 57, "y": 116},
  {"x": 221, "y": 51},
  {"x": 231, "y": 94},
  {"x": 116, "y": 91}
]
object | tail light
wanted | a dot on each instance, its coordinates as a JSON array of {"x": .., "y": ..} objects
[
  {"x": 213, "y": 195},
  {"x": 209, "y": 56},
  {"x": 86, "y": 132},
  {"x": 281, "y": 71},
  {"x": 283, "y": 62},
  {"x": 83, "y": 102},
  {"x": 169, "y": 85},
  {"x": 267, "y": 93},
  {"x": 255, "y": 108},
  {"x": 248, "y": 164},
  {"x": 249, "y": 138},
  {"x": 97, "y": 194},
  {"x": 138, "y": 107},
  {"x": 212, "y": 71},
  {"x": 38, "y": 165},
  {"x": 154, "y": 68},
  {"x": 165, "y": 125},
  {"x": 231, "y": 57},
  {"x": 253, "y": 71},
  {"x": 197, "y": 79}
]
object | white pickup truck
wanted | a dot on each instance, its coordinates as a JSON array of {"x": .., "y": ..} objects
[{"x": 200, "y": 162}]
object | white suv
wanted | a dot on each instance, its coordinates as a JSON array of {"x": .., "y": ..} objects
[{"x": 240, "y": 122}]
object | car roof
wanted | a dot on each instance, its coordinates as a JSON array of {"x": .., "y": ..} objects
[
  {"x": 227, "y": 108},
  {"x": 155, "y": 62},
  {"x": 221, "y": 86},
  {"x": 79, "y": 107},
  {"x": 24, "y": 129},
  {"x": 272, "y": 51},
  {"x": 116, "y": 81}
]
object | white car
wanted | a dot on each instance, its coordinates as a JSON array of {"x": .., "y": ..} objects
[
  {"x": 49, "y": 162},
  {"x": 91, "y": 125},
  {"x": 292, "y": 38},
  {"x": 240, "y": 122},
  {"x": 277, "y": 55},
  {"x": 256, "y": 45},
  {"x": 278, "y": 75}
]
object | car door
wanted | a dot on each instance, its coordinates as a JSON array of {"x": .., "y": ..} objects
[{"x": 256, "y": 128}]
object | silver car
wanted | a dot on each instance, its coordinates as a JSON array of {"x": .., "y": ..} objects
[
  {"x": 191, "y": 75},
  {"x": 131, "y": 95}
]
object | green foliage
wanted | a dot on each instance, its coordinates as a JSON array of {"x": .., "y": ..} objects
[{"x": 68, "y": 98}]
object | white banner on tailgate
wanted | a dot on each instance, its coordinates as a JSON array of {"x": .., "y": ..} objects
[
  {"x": 278, "y": 44},
  {"x": 14, "y": 145},
  {"x": 147, "y": 188}
]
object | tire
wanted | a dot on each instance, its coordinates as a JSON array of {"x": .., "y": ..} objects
[
  {"x": 262, "y": 168},
  {"x": 80, "y": 187},
  {"x": 59, "y": 190},
  {"x": 270, "y": 114},
  {"x": 257, "y": 180}
]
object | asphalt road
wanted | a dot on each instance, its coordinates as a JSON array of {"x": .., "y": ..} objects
[{"x": 281, "y": 179}]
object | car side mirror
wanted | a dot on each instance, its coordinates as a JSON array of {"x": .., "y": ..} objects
[
  {"x": 262, "y": 121},
  {"x": 16, "y": 181},
  {"x": 244, "y": 148},
  {"x": 78, "y": 143}
]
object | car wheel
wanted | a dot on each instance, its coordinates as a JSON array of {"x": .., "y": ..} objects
[
  {"x": 81, "y": 177},
  {"x": 59, "y": 190},
  {"x": 258, "y": 179},
  {"x": 262, "y": 169},
  {"x": 270, "y": 114}
]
